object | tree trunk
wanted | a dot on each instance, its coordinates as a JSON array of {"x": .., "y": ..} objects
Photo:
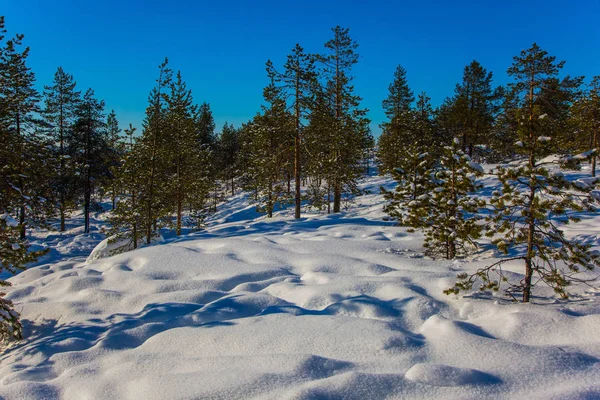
[
  {"x": 270, "y": 201},
  {"x": 337, "y": 197},
  {"x": 297, "y": 199}
]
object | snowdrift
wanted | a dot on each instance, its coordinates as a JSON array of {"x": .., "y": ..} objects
[{"x": 325, "y": 307}]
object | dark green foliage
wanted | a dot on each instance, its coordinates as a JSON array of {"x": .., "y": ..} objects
[
  {"x": 396, "y": 131},
  {"x": 474, "y": 107},
  {"x": 60, "y": 100},
  {"x": 296, "y": 83},
  {"x": 228, "y": 153},
  {"x": 535, "y": 198},
  {"x": 272, "y": 136},
  {"x": 351, "y": 127},
  {"x": 447, "y": 211},
  {"x": 90, "y": 149},
  {"x": 586, "y": 122}
]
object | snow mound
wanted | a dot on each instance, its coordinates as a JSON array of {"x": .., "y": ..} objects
[
  {"x": 445, "y": 375},
  {"x": 111, "y": 246},
  {"x": 325, "y": 307}
]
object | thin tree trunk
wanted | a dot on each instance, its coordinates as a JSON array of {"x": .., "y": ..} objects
[{"x": 297, "y": 149}]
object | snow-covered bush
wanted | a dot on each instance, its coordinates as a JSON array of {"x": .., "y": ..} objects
[{"x": 13, "y": 257}]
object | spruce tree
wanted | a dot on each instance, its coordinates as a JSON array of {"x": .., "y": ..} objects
[{"x": 535, "y": 198}]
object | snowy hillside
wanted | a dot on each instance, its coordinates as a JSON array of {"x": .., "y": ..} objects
[{"x": 325, "y": 307}]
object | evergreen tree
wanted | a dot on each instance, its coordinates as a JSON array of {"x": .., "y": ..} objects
[
  {"x": 535, "y": 198},
  {"x": 447, "y": 210},
  {"x": 205, "y": 126},
  {"x": 320, "y": 160},
  {"x": 61, "y": 100},
  {"x": 229, "y": 149},
  {"x": 128, "y": 218},
  {"x": 395, "y": 132},
  {"x": 297, "y": 82},
  {"x": 475, "y": 106},
  {"x": 586, "y": 118},
  {"x": 272, "y": 135},
  {"x": 90, "y": 147},
  {"x": 115, "y": 150},
  {"x": 153, "y": 158},
  {"x": 20, "y": 184},
  {"x": 412, "y": 185},
  {"x": 351, "y": 125},
  {"x": 189, "y": 158},
  {"x": 25, "y": 152}
]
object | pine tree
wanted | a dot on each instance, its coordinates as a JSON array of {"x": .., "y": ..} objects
[
  {"x": 205, "y": 125},
  {"x": 320, "y": 160},
  {"x": 20, "y": 187},
  {"x": 229, "y": 152},
  {"x": 405, "y": 202},
  {"x": 297, "y": 81},
  {"x": 189, "y": 158},
  {"x": 272, "y": 137},
  {"x": 351, "y": 124},
  {"x": 153, "y": 157},
  {"x": 90, "y": 148},
  {"x": 586, "y": 118},
  {"x": 59, "y": 112},
  {"x": 25, "y": 149},
  {"x": 115, "y": 150},
  {"x": 535, "y": 197},
  {"x": 128, "y": 218},
  {"x": 447, "y": 211},
  {"x": 475, "y": 106},
  {"x": 395, "y": 132}
]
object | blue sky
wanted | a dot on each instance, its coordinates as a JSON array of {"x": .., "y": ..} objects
[{"x": 221, "y": 46}]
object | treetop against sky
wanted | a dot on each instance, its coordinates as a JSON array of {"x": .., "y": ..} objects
[{"x": 221, "y": 47}]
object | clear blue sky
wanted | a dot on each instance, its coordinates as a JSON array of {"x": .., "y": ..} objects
[{"x": 221, "y": 46}]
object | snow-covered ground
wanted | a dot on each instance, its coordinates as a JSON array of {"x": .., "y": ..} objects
[{"x": 325, "y": 307}]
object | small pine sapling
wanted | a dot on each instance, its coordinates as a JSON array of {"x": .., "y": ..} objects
[
  {"x": 534, "y": 201},
  {"x": 448, "y": 211}
]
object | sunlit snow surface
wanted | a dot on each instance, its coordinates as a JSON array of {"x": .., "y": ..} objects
[{"x": 325, "y": 307}]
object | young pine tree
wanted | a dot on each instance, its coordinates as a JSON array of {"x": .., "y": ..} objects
[
  {"x": 586, "y": 118},
  {"x": 535, "y": 198},
  {"x": 448, "y": 210},
  {"x": 395, "y": 132}
]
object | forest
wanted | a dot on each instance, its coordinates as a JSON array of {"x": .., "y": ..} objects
[{"x": 307, "y": 148}]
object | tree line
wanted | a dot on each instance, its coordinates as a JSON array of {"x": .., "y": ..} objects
[
  {"x": 309, "y": 144},
  {"x": 62, "y": 152},
  {"x": 544, "y": 123}
]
